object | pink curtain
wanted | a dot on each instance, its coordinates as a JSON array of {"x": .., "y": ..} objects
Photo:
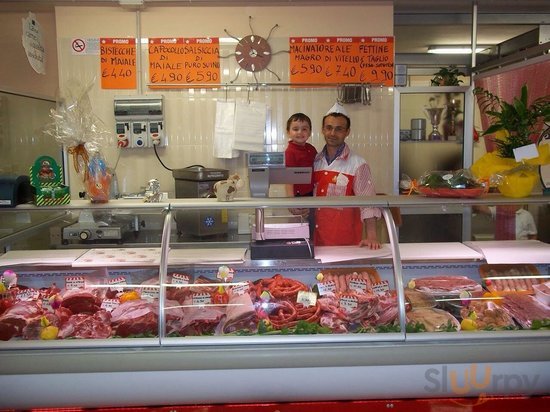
[{"x": 507, "y": 85}]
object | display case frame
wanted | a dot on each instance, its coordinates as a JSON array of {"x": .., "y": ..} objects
[{"x": 181, "y": 371}]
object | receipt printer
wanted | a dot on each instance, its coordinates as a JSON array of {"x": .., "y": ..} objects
[{"x": 15, "y": 190}]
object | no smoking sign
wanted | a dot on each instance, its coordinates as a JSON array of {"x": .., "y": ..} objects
[{"x": 85, "y": 46}]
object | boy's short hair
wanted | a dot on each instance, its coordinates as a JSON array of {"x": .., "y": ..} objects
[
  {"x": 297, "y": 117},
  {"x": 338, "y": 114}
]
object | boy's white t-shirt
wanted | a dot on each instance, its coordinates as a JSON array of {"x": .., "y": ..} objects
[{"x": 525, "y": 223}]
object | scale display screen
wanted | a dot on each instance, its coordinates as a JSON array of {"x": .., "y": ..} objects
[{"x": 267, "y": 159}]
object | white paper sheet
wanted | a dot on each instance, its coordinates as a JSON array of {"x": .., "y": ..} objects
[
  {"x": 48, "y": 257},
  {"x": 513, "y": 251},
  {"x": 437, "y": 251},
  {"x": 250, "y": 120},
  {"x": 327, "y": 254},
  {"x": 206, "y": 256},
  {"x": 224, "y": 130},
  {"x": 119, "y": 257}
]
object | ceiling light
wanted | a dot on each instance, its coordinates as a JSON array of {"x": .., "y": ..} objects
[
  {"x": 454, "y": 49},
  {"x": 131, "y": 3}
]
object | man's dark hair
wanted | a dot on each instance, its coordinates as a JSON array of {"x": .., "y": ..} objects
[
  {"x": 336, "y": 114},
  {"x": 297, "y": 117}
]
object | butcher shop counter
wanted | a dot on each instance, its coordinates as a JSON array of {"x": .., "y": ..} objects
[{"x": 168, "y": 326}]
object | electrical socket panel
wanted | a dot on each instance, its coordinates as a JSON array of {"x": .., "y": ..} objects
[
  {"x": 157, "y": 136},
  {"x": 140, "y": 136},
  {"x": 139, "y": 121},
  {"x": 123, "y": 134}
]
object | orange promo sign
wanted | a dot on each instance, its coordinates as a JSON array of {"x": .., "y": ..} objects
[
  {"x": 182, "y": 62},
  {"x": 342, "y": 60},
  {"x": 118, "y": 63}
]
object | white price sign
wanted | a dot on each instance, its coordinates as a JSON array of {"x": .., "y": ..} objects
[
  {"x": 326, "y": 287},
  {"x": 306, "y": 298},
  {"x": 75, "y": 282},
  {"x": 358, "y": 285},
  {"x": 180, "y": 279},
  {"x": 348, "y": 303},
  {"x": 381, "y": 288},
  {"x": 201, "y": 299}
]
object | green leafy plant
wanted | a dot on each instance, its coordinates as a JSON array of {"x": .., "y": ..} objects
[
  {"x": 519, "y": 120},
  {"x": 447, "y": 76}
]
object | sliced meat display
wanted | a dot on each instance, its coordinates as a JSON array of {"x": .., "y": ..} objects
[
  {"x": 196, "y": 320},
  {"x": 525, "y": 309},
  {"x": 386, "y": 311},
  {"x": 135, "y": 317},
  {"x": 340, "y": 300},
  {"x": 367, "y": 305},
  {"x": 447, "y": 285},
  {"x": 240, "y": 314},
  {"x": 332, "y": 315}
]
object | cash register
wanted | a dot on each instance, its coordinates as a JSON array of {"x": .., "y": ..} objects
[
  {"x": 15, "y": 190},
  {"x": 264, "y": 169}
]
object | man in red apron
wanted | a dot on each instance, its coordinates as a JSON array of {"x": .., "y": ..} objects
[{"x": 338, "y": 172}]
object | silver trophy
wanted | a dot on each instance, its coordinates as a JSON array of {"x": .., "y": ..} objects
[{"x": 434, "y": 114}]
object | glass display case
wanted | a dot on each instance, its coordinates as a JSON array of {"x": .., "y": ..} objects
[{"x": 178, "y": 315}]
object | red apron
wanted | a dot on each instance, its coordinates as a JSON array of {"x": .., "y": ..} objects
[{"x": 336, "y": 226}]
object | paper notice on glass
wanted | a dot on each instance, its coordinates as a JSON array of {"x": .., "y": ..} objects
[
  {"x": 250, "y": 121},
  {"x": 224, "y": 130}
]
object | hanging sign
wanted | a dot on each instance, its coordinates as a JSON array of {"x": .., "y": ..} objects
[
  {"x": 118, "y": 63},
  {"x": 33, "y": 43},
  {"x": 182, "y": 62},
  {"x": 342, "y": 60}
]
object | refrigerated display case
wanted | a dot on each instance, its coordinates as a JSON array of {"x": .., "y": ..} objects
[{"x": 201, "y": 323}]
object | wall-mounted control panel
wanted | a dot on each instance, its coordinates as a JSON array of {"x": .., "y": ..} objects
[{"x": 139, "y": 121}]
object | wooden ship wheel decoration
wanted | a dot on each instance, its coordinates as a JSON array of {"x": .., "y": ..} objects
[{"x": 253, "y": 53}]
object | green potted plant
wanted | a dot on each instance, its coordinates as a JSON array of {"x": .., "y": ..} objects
[
  {"x": 515, "y": 121},
  {"x": 447, "y": 76},
  {"x": 513, "y": 124}
]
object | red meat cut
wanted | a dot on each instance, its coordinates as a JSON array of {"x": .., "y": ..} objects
[
  {"x": 86, "y": 326},
  {"x": 16, "y": 317},
  {"x": 135, "y": 317}
]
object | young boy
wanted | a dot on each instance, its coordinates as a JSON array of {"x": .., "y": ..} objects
[{"x": 299, "y": 153}]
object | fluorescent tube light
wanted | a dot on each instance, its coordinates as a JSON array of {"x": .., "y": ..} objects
[{"x": 454, "y": 49}]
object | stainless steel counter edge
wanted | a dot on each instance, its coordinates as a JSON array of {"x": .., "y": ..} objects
[
  {"x": 283, "y": 202},
  {"x": 280, "y": 356}
]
